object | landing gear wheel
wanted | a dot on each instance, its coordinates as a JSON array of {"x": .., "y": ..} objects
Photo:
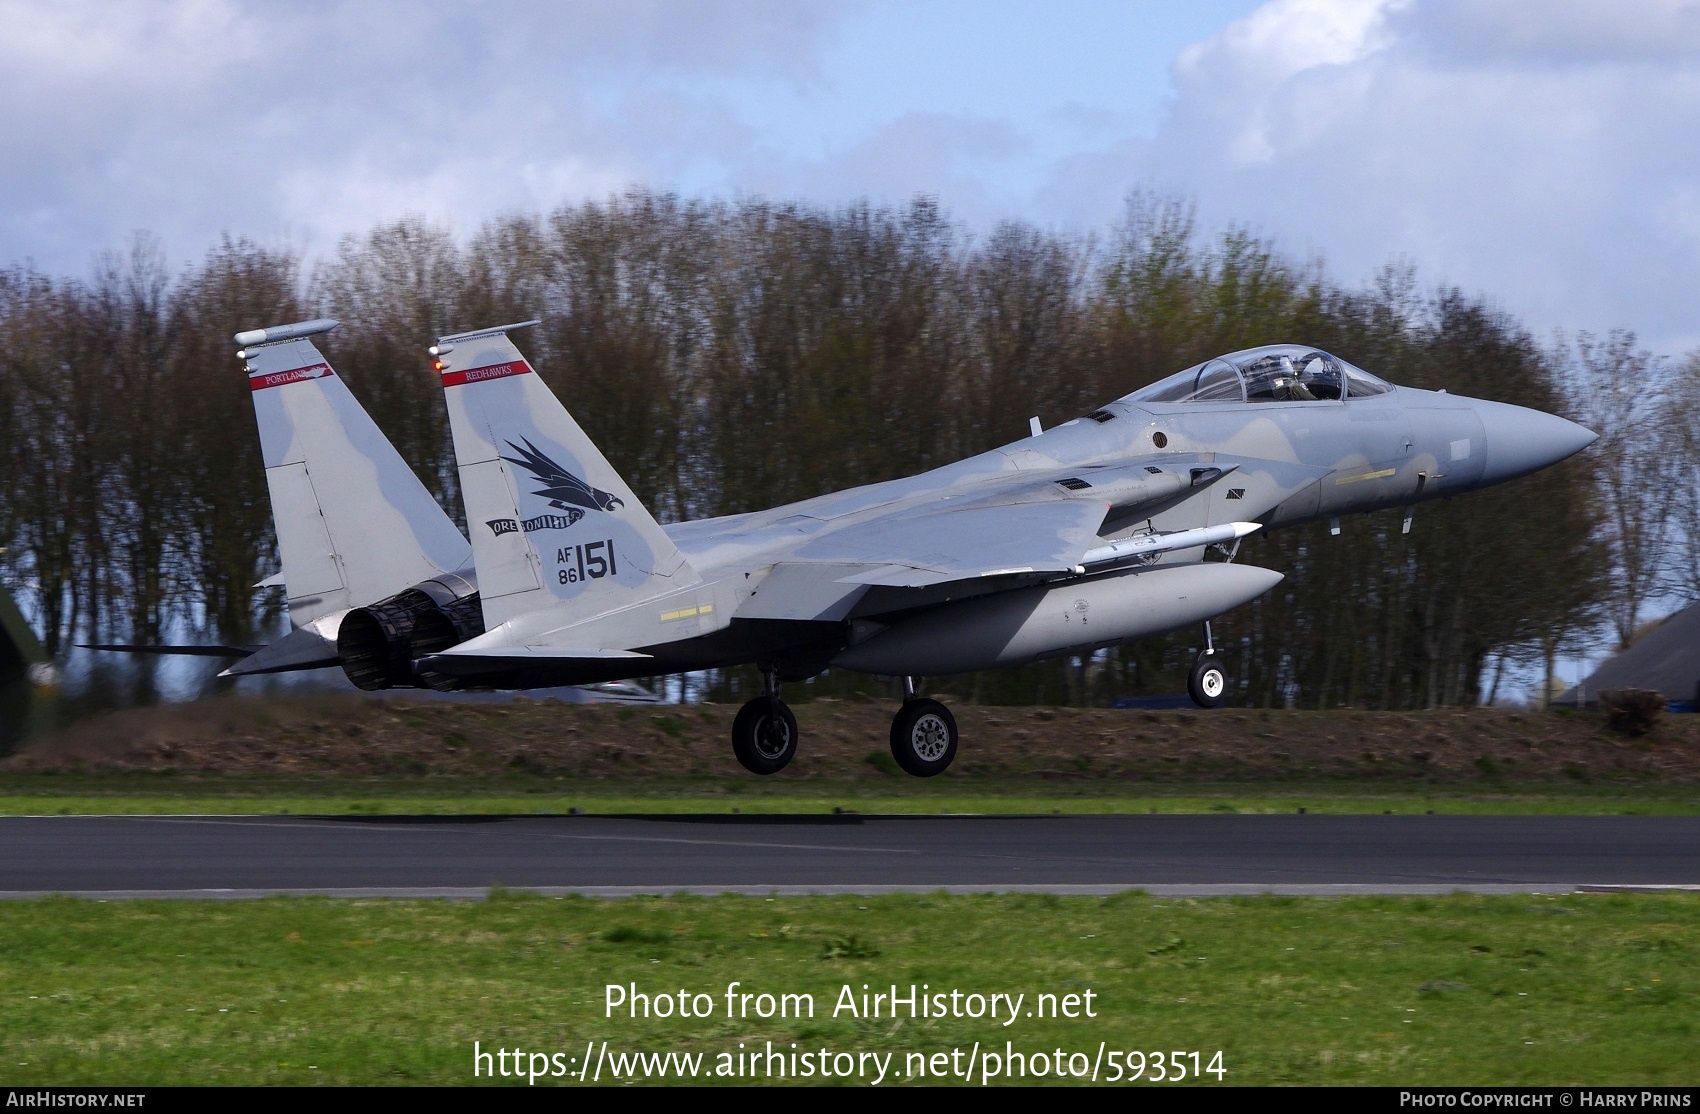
[
  {"x": 764, "y": 744},
  {"x": 923, "y": 737},
  {"x": 1207, "y": 684}
]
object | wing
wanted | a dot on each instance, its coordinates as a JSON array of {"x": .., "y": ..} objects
[
  {"x": 925, "y": 547},
  {"x": 1033, "y": 522},
  {"x": 1016, "y": 522}
]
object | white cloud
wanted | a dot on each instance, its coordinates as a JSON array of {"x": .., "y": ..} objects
[
  {"x": 1548, "y": 31},
  {"x": 1535, "y": 150},
  {"x": 1528, "y": 151},
  {"x": 956, "y": 158},
  {"x": 1286, "y": 37},
  {"x": 303, "y": 122}
]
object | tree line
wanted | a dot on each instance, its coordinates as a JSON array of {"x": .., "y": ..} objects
[{"x": 732, "y": 355}]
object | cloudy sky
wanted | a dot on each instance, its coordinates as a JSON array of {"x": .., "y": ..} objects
[{"x": 1541, "y": 151}]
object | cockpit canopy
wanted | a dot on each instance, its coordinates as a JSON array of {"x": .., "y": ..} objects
[{"x": 1273, "y": 373}]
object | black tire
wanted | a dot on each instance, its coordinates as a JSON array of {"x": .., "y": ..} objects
[
  {"x": 923, "y": 737},
  {"x": 1207, "y": 684},
  {"x": 758, "y": 749}
]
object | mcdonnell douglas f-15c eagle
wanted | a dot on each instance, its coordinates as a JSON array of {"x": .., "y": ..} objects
[{"x": 1117, "y": 525}]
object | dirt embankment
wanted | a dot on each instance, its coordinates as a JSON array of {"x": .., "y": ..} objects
[{"x": 357, "y": 735}]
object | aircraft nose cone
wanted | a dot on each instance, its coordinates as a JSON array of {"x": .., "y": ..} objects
[{"x": 1521, "y": 440}]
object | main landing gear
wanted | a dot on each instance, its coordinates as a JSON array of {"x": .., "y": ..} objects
[
  {"x": 923, "y": 734},
  {"x": 764, "y": 736},
  {"x": 1207, "y": 684}
]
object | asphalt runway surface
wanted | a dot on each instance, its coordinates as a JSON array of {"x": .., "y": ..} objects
[{"x": 250, "y": 856}]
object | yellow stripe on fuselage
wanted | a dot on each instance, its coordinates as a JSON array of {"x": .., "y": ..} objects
[{"x": 1365, "y": 476}]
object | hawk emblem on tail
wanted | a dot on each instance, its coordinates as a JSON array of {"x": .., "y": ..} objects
[{"x": 560, "y": 487}]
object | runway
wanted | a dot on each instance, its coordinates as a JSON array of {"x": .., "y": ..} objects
[{"x": 239, "y": 856}]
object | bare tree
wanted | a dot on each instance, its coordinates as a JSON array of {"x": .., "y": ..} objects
[
  {"x": 1683, "y": 402},
  {"x": 394, "y": 291},
  {"x": 225, "y": 507},
  {"x": 729, "y": 356},
  {"x": 1616, "y": 392}
]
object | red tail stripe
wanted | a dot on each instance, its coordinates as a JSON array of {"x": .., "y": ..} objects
[
  {"x": 479, "y": 374},
  {"x": 295, "y": 375}
]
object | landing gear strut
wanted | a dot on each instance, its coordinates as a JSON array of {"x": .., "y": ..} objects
[
  {"x": 923, "y": 734},
  {"x": 1207, "y": 684},
  {"x": 764, "y": 735}
]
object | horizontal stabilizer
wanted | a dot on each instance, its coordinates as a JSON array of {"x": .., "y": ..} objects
[
  {"x": 186, "y": 651},
  {"x": 301, "y": 648}
]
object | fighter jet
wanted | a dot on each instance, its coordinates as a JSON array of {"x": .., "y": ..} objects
[{"x": 1114, "y": 526}]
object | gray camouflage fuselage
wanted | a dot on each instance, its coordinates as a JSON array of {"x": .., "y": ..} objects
[{"x": 985, "y": 562}]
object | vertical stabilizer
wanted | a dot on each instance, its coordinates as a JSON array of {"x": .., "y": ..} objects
[
  {"x": 552, "y": 523},
  {"x": 354, "y": 524}
]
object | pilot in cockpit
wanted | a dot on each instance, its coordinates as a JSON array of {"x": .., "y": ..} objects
[{"x": 1290, "y": 385}]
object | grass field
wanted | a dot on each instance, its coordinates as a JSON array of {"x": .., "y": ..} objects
[
  {"x": 1457, "y": 990},
  {"x": 1596, "y": 989},
  {"x": 74, "y": 793}
]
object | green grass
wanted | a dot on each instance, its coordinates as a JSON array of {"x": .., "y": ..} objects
[
  {"x": 1597, "y": 989},
  {"x": 69, "y": 794}
]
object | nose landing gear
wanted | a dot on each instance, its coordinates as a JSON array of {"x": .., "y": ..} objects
[
  {"x": 923, "y": 734},
  {"x": 1207, "y": 684}
]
